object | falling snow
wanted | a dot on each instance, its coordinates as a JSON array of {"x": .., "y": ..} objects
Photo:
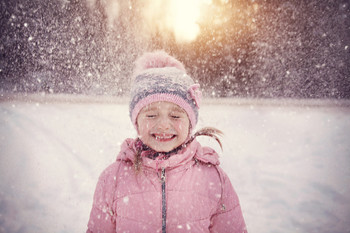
[
  {"x": 288, "y": 159},
  {"x": 268, "y": 49},
  {"x": 126, "y": 200}
]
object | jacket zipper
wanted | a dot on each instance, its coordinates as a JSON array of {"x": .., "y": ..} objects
[{"x": 162, "y": 177}]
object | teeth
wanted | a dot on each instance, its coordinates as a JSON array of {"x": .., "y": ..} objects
[{"x": 158, "y": 137}]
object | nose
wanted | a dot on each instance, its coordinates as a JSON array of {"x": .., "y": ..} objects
[{"x": 163, "y": 123}]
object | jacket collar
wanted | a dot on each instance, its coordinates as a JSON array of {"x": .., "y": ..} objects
[{"x": 192, "y": 151}]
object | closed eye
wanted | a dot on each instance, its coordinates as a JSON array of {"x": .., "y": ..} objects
[{"x": 151, "y": 116}]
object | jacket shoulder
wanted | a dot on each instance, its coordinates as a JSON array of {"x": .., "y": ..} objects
[
  {"x": 107, "y": 180},
  {"x": 110, "y": 170},
  {"x": 207, "y": 155}
]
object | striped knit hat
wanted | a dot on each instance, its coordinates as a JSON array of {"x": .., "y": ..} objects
[{"x": 160, "y": 77}]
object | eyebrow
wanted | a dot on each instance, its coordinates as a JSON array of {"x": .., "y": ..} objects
[
  {"x": 149, "y": 109},
  {"x": 177, "y": 109}
]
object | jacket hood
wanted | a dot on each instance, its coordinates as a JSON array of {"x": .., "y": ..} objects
[{"x": 192, "y": 151}]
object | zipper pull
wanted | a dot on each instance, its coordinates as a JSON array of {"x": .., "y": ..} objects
[{"x": 162, "y": 175}]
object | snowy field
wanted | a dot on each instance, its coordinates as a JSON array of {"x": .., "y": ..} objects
[{"x": 289, "y": 161}]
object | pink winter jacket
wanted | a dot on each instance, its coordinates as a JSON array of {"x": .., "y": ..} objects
[{"x": 188, "y": 192}]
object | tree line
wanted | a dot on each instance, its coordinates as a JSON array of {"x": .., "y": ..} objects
[{"x": 265, "y": 49}]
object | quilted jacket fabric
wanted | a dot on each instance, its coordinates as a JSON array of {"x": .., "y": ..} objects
[{"x": 197, "y": 194}]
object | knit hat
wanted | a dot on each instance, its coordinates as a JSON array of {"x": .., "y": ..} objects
[{"x": 160, "y": 77}]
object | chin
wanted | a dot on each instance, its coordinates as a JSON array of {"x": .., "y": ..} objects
[{"x": 163, "y": 150}]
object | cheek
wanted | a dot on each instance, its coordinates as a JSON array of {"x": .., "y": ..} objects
[
  {"x": 143, "y": 127},
  {"x": 182, "y": 127}
]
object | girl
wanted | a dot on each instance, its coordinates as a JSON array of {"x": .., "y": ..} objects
[{"x": 165, "y": 181}]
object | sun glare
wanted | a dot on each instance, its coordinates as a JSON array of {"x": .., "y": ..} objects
[
  {"x": 178, "y": 19},
  {"x": 181, "y": 17}
]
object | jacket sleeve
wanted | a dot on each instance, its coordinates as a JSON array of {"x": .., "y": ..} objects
[
  {"x": 102, "y": 217},
  {"x": 228, "y": 217}
]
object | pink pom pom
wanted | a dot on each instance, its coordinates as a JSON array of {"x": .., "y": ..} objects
[{"x": 157, "y": 59}]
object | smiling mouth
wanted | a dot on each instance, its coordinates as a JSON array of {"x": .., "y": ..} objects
[{"x": 164, "y": 137}]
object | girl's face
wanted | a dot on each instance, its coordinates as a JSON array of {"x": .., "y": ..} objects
[{"x": 163, "y": 126}]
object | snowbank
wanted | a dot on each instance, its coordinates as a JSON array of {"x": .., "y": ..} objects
[{"x": 288, "y": 160}]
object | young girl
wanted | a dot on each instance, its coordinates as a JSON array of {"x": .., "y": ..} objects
[{"x": 164, "y": 180}]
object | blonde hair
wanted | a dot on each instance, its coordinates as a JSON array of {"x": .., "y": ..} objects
[{"x": 211, "y": 132}]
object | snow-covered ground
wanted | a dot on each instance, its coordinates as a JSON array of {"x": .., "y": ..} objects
[{"x": 289, "y": 161}]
